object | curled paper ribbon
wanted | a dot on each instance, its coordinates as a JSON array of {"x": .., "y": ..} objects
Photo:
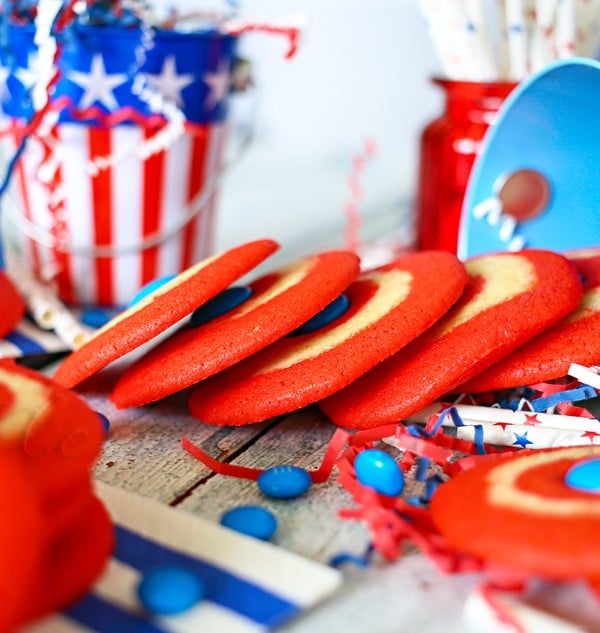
[{"x": 320, "y": 475}]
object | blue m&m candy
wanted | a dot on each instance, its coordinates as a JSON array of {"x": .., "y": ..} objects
[
  {"x": 104, "y": 421},
  {"x": 327, "y": 315},
  {"x": 224, "y": 302},
  {"x": 585, "y": 476},
  {"x": 169, "y": 590},
  {"x": 149, "y": 288},
  {"x": 284, "y": 482},
  {"x": 95, "y": 317},
  {"x": 252, "y": 521},
  {"x": 379, "y": 470}
]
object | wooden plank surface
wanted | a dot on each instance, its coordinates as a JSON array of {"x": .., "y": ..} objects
[{"x": 143, "y": 454}]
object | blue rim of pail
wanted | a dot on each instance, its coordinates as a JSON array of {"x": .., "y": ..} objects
[{"x": 197, "y": 60}]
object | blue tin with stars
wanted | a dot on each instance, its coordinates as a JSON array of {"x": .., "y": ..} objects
[
  {"x": 133, "y": 138},
  {"x": 105, "y": 66}
]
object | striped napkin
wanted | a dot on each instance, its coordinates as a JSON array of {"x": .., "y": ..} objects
[{"x": 252, "y": 586}]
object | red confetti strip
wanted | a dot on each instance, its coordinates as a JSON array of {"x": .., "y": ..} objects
[
  {"x": 353, "y": 217},
  {"x": 321, "y": 475},
  {"x": 292, "y": 33}
]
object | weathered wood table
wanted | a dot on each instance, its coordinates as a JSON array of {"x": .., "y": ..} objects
[{"x": 143, "y": 454}]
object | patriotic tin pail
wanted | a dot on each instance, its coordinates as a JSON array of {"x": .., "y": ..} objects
[{"x": 117, "y": 184}]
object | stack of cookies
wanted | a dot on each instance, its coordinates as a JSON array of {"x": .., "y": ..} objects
[
  {"x": 405, "y": 334},
  {"x": 56, "y": 535}
]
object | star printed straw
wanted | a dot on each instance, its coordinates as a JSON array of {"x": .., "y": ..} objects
[
  {"x": 505, "y": 427},
  {"x": 506, "y": 40}
]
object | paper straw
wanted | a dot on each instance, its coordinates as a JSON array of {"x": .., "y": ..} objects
[
  {"x": 517, "y": 45},
  {"x": 527, "y": 436},
  {"x": 440, "y": 39},
  {"x": 565, "y": 37},
  {"x": 474, "y": 414},
  {"x": 499, "y": 45},
  {"x": 70, "y": 330},
  {"x": 542, "y": 48},
  {"x": 587, "y": 27},
  {"x": 586, "y": 375},
  {"x": 48, "y": 312},
  {"x": 476, "y": 18}
]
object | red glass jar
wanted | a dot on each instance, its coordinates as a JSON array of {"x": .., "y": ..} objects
[{"x": 449, "y": 146}]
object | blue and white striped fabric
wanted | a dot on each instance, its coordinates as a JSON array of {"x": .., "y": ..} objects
[
  {"x": 252, "y": 586},
  {"x": 29, "y": 340}
]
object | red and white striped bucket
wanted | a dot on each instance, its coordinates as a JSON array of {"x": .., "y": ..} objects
[
  {"x": 98, "y": 211},
  {"x": 109, "y": 234}
]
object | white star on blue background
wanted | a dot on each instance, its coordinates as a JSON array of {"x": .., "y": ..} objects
[
  {"x": 168, "y": 82},
  {"x": 97, "y": 84}
]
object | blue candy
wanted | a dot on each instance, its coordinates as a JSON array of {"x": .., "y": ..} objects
[
  {"x": 149, "y": 288},
  {"x": 225, "y": 301},
  {"x": 104, "y": 421},
  {"x": 168, "y": 590},
  {"x": 379, "y": 470},
  {"x": 284, "y": 482},
  {"x": 252, "y": 521},
  {"x": 328, "y": 314},
  {"x": 95, "y": 317},
  {"x": 585, "y": 476}
]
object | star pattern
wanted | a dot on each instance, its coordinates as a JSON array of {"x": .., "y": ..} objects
[
  {"x": 531, "y": 419},
  {"x": 168, "y": 82},
  {"x": 97, "y": 84},
  {"x": 218, "y": 85},
  {"x": 590, "y": 435},
  {"x": 4, "y": 91},
  {"x": 29, "y": 76},
  {"x": 503, "y": 424},
  {"x": 522, "y": 440}
]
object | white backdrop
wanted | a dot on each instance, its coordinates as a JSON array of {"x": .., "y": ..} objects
[{"x": 362, "y": 71}]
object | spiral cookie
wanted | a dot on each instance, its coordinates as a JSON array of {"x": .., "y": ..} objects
[
  {"x": 280, "y": 302},
  {"x": 511, "y": 297},
  {"x": 389, "y": 307},
  {"x": 13, "y": 307},
  {"x": 49, "y": 440},
  {"x": 23, "y": 543},
  {"x": 522, "y": 511},
  {"x": 547, "y": 356},
  {"x": 160, "y": 309}
]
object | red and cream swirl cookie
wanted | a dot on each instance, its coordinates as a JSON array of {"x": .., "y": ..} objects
[
  {"x": 49, "y": 440},
  {"x": 22, "y": 542},
  {"x": 511, "y": 298},
  {"x": 50, "y": 427},
  {"x": 520, "y": 510},
  {"x": 13, "y": 306},
  {"x": 161, "y": 309},
  {"x": 547, "y": 356},
  {"x": 280, "y": 302},
  {"x": 388, "y": 307}
]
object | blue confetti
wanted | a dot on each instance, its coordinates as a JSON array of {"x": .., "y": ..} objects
[{"x": 570, "y": 395}]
